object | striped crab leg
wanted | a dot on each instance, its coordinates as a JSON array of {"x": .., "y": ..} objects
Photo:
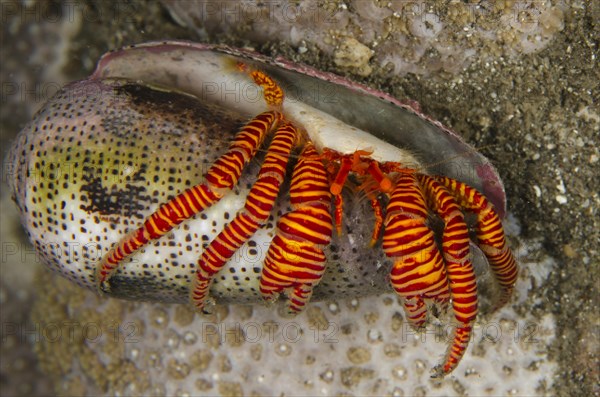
[
  {"x": 456, "y": 253},
  {"x": 418, "y": 272},
  {"x": 257, "y": 208},
  {"x": 220, "y": 178},
  {"x": 490, "y": 234},
  {"x": 295, "y": 261}
]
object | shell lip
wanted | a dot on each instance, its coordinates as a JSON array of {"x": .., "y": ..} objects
[{"x": 491, "y": 184}]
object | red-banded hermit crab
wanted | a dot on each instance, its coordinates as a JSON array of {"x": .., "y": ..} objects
[{"x": 114, "y": 176}]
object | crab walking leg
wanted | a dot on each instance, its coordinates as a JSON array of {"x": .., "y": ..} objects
[
  {"x": 220, "y": 178},
  {"x": 418, "y": 272},
  {"x": 295, "y": 261},
  {"x": 259, "y": 204},
  {"x": 463, "y": 285},
  {"x": 490, "y": 234}
]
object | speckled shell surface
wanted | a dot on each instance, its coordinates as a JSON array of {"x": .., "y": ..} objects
[{"x": 105, "y": 152}]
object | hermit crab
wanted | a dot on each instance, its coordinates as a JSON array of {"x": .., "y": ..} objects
[{"x": 187, "y": 172}]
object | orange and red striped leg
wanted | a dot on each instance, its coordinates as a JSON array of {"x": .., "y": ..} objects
[
  {"x": 220, "y": 178},
  {"x": 490, "y": 234},
  {"x": 295, "y": 261},
  {"x": 272, "y": 93},
  {"x": 463, "y": 284},
  {"x": 418, "y": 272},
  {"x": 259, "y": 204}
]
